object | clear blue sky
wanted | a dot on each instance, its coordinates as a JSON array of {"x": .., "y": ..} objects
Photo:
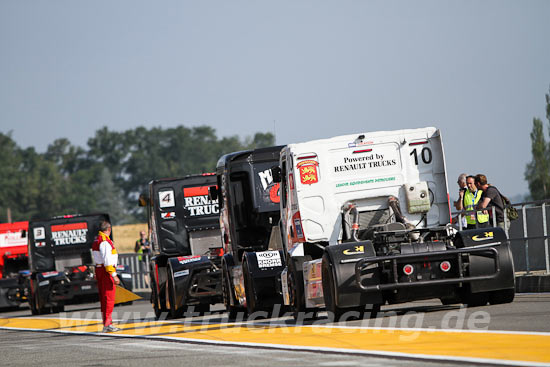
[{"x": 312, "y": 69}]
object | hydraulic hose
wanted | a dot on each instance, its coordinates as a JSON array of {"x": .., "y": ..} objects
[{"x": 352, "y": 208}]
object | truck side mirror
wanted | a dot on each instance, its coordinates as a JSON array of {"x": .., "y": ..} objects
[
  {"x": 213, "y": 193},
  {"x": 143, "y": 200},
  {"x": 276, "y": 173}
]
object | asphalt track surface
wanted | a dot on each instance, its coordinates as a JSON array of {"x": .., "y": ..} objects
[{"x": 413, "y": 334}]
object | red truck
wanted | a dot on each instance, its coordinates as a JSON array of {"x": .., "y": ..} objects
[{"x": 14, "y": 264}]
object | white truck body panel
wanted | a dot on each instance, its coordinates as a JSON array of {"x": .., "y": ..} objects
[{"x": 366, "y": 168}]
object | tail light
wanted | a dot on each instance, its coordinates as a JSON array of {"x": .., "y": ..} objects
[
  {"x": 445, "y": 266},
  {"x": 408, "y": 269}
]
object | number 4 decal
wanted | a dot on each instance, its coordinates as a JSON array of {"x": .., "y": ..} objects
[
  {"x": 166, "y": 199},
  {"x": 425, "y": 155}
]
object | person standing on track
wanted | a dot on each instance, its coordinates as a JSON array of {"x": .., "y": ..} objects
[{"x": 106, "y": 258}]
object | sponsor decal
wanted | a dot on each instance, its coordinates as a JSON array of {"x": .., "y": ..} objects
[
  {"x": 365, "y": 182},
  {"x": 69, "y": 234},
  {"x": 266, "y": 179},
  {"x": 196, "y": 202},
  {"x": 86, "y": 287},
  {"x": 39, "y": 233},
  {"x": 168, "y": 215},
  {"x": 274, "y": 193},
  {"x": 10, "y": 239},
  {"x": 356, "y": 250},
  {"x": 188, "y": 259},
  {"x": 126, "y": 276},
  {"x": 308, "y": 172},
  {"x": 315, "y": 272},
  {"x": 364, "y": 162},
  {"x": 181, "y": 273},
  {"x": 167, "y": 199},
  {"x": 43, "y": 283},
  {"x": 49, "y": 274},
  {"x": 486, "y": 236},
  {"x": 359, "y": 143},
  {"x": 40, "y": 244},
  {"x": 268, "y": 259},
  {"x": 120, "y": 267},
  {"x": 298, "y": 226}
]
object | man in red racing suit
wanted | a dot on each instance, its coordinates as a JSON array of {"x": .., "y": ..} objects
[{"x": 106, "y": 258}]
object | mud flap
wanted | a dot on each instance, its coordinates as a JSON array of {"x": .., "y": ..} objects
[
  {"x": 264, "y": 272},
  {"x": 480, "y": 265},
  {"x": 194, "y": 279},
  {"x": 343, "y": 258}
]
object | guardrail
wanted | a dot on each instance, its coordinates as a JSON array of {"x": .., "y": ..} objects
[
  {"x": 528, "y": 235},
  {"x": 138, "y": 269}
]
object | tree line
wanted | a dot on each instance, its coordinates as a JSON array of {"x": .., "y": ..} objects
[
  {"x": 110, "y": 173},
  {"x": 537, "y": 172}
]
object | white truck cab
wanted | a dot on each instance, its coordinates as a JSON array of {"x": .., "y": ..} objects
[
  {"x": 365, "y": 220},
  {"x": 320, "y": 176}
]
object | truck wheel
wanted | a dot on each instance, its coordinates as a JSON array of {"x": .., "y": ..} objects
[
  {"x": 251, "y": 305},
  {"x": 476, "y": 299},
  {"x": 158, "y": 307},
  {"x": 329, "y": 290},
  {"x": 175, "y": 312},
  {"x": 32, "y": 304},
  {"x": 202, "y": 308},
  {"x": 58, "y": 308},
  {"x": 296, "y": 290},
  {"x": 502, "y": 296},
  {"x": 450, "y": 300},
  {"x": 227, "y": 295},
  {"x": 36, "y": 307}
]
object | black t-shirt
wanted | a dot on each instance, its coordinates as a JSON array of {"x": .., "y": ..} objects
[{"x": 496, "y": 200}]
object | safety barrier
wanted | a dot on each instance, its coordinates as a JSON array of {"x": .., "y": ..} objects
[
  {"x": 138, "y": 269},
  {"x": 529, "y": 235}
]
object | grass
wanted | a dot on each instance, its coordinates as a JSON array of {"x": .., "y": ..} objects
[{"x": 125, "y": 236}]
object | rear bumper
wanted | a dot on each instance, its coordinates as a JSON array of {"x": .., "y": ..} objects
[{"x": 455, "y": 256}]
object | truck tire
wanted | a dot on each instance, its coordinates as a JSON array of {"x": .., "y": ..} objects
[
  {"x": 329, "y": 293},
  {"x": 329, "y": 290},
  {"x": 175, "y": 312},
  {"x": 227, "y": 290},
  {"x": 36, "y": 306},
  {"x": 158, "y": 305},
  {"x": 251, "y": 305},
  {"x": 475, "y": 299},
  {"x": 58, "y": 309},
  {"x": 296, "y": 290},
  {"x": 502, "y": 296}
]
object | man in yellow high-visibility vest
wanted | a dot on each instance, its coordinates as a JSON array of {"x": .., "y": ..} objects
[{"x": 469, "y": 201}]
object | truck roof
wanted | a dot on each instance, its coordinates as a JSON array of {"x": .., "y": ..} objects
[
  {"x": 187, "y": 177},
  {"x": 252, "y": 156}
]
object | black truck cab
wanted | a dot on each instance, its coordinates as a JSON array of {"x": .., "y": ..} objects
[
  {"x": 185, "y": 235},
  {"x": 61, "y": 264},
  {"x": 249, "y": 200}
]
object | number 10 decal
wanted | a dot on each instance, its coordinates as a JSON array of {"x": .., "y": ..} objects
[{"x": 425, "y": 155}]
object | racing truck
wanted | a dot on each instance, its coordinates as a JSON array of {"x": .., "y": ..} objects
[
  {"x": 365, "y": 222},
  {"x": 14, "y": 264},
  {"x": 61, "y": 263},
  {"x": 185, "y": 236},
  {"x": 249, "y": 220}
]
